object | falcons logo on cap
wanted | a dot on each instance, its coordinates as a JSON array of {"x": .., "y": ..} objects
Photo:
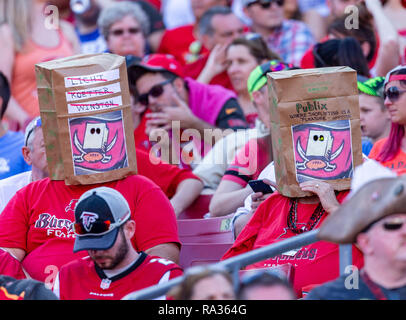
[{"x": 88, "y": 218}]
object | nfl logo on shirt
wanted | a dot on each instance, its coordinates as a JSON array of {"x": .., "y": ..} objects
[{"x": 105, "y": 284}]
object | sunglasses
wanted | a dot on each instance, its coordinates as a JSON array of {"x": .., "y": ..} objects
[
  {"x": 120, "y": 32},
  {"x": 38, "y": 124},
  {"x": 267, "y": 3},
  {"x": 98, "y": 228},
  {"x": 393, "y": 225},
  {"x": 155, "y": 92},
  {"x": 393, "y": 93}
]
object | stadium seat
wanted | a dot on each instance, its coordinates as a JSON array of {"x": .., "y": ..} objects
[
  {"x": 193, "y": 254},
  {"x": 210, "y": 230},
  {"x": 198, "y": 208}
]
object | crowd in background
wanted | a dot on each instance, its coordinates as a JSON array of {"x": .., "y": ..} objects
[{"x": 203, "y": 65}]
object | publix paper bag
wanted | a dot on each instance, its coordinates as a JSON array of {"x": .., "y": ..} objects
[
  {"x": 86, "y": 118},
  {"x": 315, "y": 127}
]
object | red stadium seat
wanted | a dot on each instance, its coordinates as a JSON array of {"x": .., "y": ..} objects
[
  {"x": 210, "y": 230},
  {"x": 193, "y": 254},
  {"x": 198, "y": 208}
]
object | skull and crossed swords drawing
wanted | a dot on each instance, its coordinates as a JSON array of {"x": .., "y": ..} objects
[
  {"x": 94, "y": 147},
  {"x": 318, "y": 153}
]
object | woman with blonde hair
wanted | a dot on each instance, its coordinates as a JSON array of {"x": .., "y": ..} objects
[{"x": 27, "y": 37}]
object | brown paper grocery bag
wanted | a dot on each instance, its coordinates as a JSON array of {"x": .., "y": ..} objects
[
  {"x": 86, "y": 118},
  {"x": 315, "y": 127}
]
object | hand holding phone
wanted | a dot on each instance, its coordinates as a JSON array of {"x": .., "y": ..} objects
[{"x": 260, "y": 186}]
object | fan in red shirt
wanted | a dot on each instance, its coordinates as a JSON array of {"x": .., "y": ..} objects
[
  {"x": 279, "y": 218},
  {"x": 104, "y": 228},
  {"x": 218, "y": 27},
  {"x": 182, "y": 42}
]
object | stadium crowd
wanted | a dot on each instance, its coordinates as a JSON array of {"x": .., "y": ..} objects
[{"x": 202, "y": 65}]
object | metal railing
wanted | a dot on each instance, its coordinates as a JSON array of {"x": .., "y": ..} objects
[{"x": 234, "y": 264}]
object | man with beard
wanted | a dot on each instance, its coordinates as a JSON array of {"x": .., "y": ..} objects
[{"x": 113, "y": 268}]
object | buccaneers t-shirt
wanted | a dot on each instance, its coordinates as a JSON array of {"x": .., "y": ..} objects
[
  {"x": 397, "y": 164},
  {"x": 82, "y": 279},
  {"x": 313, "y": 264},
  {"x": 38, "y": 219}
]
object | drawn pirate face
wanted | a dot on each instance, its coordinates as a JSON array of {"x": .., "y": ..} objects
[
  {"x": 94, "y": 147},
  {"x": 318, "y": 153}
]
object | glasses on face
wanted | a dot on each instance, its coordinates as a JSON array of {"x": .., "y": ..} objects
[
  {"x": 266, "y": 4},
  {"x": 393, "y": 94},
  {"x": 120, "y": 32},
  {"x": 393, "y": 224},
  {"x": 156, "y": 91},
  {"x": 98, "y": 228}
]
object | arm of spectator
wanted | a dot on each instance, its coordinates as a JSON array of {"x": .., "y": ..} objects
[
  {"x": 228, "y": 197},
  {"x": 154, "y": 39},
  {"x": 259, "y": 197},
  {"x": 70, "y": 34},
  {"x": 388, "y": 54},
  {"x": 168, "y": 251},
  {"x": 324, "y": 191},
  {"x": 17, "y": 253},
  {"x": 14, "y": 111},
  {"x": 187, "y": 192},
  {"x": 215, "y": 65},
  {"x": 316, "y": 23}
]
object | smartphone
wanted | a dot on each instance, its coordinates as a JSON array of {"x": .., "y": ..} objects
[{"x": 260, "y": 186}]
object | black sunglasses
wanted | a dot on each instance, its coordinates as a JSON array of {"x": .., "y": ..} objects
[
  {"x": 120, "y": 32},
  {"x": 155, "y": 91},
  {"x": 266, "y": 4},
  {"x": 393, "y": 225},
  {"x": 393, "y": 93}
]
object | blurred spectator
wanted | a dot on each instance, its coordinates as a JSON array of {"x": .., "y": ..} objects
[
  {"x": 113, "y": 269},
  {"x": 395, "y": 11},
  {"x": 182, "y": 42},
  {"x": 34, "y": 155},
  {"x": 11, "y": 159},
  {"x": 279, "y": 218},
  {"x": 26, "y": 38},
  {"x": 124, "y": 26},
  {"x": 91, "y": 40},
  {"x": 201, "y": 283},
  {"x": 10, "y": 265},
  {"x": 242, "y": 56},
  {"x": 177, "y": 13},
  {"x": 156, "y": 24},
  {"x": 160, "y": 87},
  {"x": 377, "y": 226},
  {"x": 341, "y": 52},
  {"x": 374, "y": 31},
  {"x": 290, "y": 39},
  {"x": 265, "y": 285},
  {"x": 23, "y": 289},
  {"x": 374, "y": 116},
  {"x": 217, "y": 28},
  {"x": 255, "y": 155},
  {"x": 390, "y": 151}
]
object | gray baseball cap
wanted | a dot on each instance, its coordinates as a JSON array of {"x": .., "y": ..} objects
[{"x": 98, "y": 215}]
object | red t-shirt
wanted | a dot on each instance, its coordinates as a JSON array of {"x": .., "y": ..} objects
[
  {"x": 10, "y": 266},
  {"x": 194, "y": 69},
  {"x": 165, "y": 175},
  {"x": 177, "y": 41},
  {"x": 38, "y": 219},
  {"x": 82, "y": 280},
  {"x": 314, "y": 264},
  {"x": 397, "y": 164}
]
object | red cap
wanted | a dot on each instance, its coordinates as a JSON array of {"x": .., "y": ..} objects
[{"x": 162, "y": 62}]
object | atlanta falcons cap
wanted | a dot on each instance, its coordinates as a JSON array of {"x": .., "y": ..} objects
[{"x": 98, "y": 215}]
